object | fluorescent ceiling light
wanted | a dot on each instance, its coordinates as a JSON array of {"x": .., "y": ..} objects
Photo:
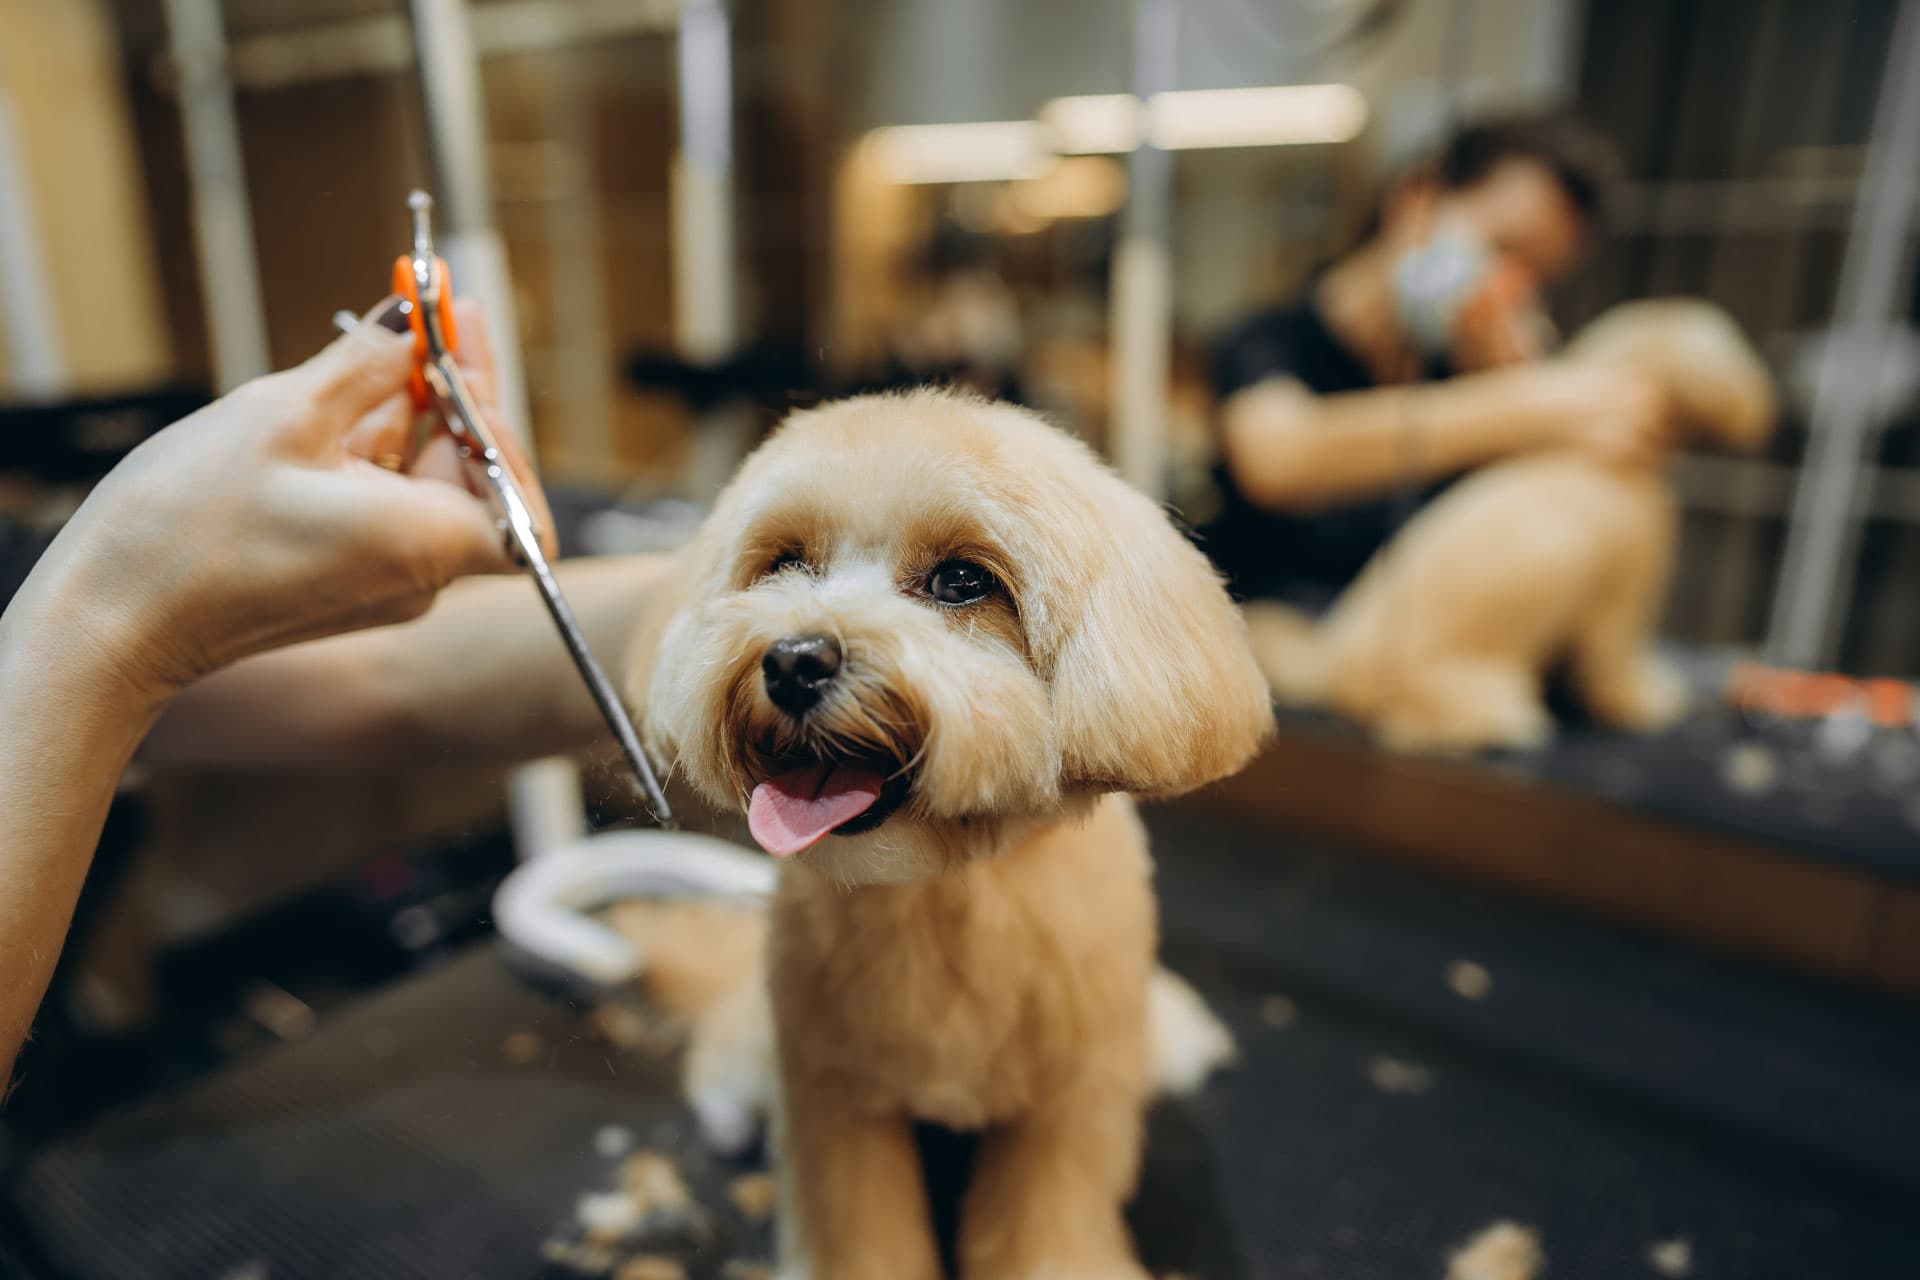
[
  {"x": 1285, "y": 115},
  {"x": 1185, "y": 119},
  {"x": 1093, "y": 123},
  {"x": 988, "y": 152},
  {"x": 1116, "y": 123}
]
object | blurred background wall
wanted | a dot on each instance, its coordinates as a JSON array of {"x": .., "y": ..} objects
[
  {"x": 1744, "y": 123},
  {"x": 76, "y": 212}
]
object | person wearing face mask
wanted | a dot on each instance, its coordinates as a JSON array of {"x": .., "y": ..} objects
[{"x": 1414, "y": 359}]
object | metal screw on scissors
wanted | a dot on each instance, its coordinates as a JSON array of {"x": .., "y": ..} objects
[{"x": 421, "y": 281}]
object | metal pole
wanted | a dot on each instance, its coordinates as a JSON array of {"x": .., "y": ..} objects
[
  {"x": 1141, "y": 314},
  {"x": 706, "y": 313},
  {"x": 1726, "y": 606},
  {"x": 36, "y": 366},
  {"x": 222, "y": 219},
  {"x": 543, "y": 797},
  {"x": 1553, "y": 55},
  {"x": 1823, "y": 533},
  {"x": 1456, "y": 59},
  {"x": 583, "y": 362}
]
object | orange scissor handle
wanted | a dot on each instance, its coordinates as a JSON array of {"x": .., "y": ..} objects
[{"x": 406, "y": 287}]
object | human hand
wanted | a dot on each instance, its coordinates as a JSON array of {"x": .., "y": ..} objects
[
  {"x": 1494, "y": 339},
  {"x": 387, "y": 436},
  {"x": 1501, "y": 324},
  {"x": 260, "y": 520},
  {"x": 1612, "y": 412}
]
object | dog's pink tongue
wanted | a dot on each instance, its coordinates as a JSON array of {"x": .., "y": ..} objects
[{"x": 790, "y": 812}]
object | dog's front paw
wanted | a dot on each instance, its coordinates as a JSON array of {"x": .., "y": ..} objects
[
  {"x": 1525, "y": 727},
  {"x": 1186, "y": 1040},
  {"x": 1510, "y": 724},
  {"x": 727, "y": 1125},
  {"x": 1655, "y": 697}
]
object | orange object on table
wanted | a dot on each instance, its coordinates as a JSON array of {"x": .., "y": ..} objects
[{"x": 1813, "y": 695}]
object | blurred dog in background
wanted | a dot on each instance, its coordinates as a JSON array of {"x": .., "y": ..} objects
[{"x": 1443, "y": 642}]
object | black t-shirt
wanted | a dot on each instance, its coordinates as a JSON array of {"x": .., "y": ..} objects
[{"x": 1306, "y": 557}]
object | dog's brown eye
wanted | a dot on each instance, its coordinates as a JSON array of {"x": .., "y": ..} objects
[
  {"x": 786, "y": 560},
  {"x": 959, "y": 582}
]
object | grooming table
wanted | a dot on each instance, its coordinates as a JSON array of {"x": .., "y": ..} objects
[
  {"x": 1766, "y": 837},
  {"x": 1612, "y": 1090},
  {"x": 1852, "y": 800}
]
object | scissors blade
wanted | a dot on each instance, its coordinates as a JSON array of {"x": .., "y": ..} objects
[
  {"x": 604, "y": 694},
  {"x": 476, "y": 440}
]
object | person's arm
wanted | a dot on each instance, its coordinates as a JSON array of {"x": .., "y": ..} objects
[
  {"x": 481, "y": 678},
  {"x": 72, "y": 718},
  {"x": 1290, "y": 449},
  {"x": 256, "y": 523}
]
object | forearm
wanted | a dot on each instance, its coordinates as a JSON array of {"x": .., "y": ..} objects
[
  {"x": 1301, "y": 451},
  {"x": 71, "y": 725},
  {"x": 482, "y": 677}
]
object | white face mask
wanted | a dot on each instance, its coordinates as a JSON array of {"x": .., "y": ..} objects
[{"x": 1432, "y": 282}]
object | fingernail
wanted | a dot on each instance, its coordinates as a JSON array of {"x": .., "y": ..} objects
[{"x": 390, "y": 313}]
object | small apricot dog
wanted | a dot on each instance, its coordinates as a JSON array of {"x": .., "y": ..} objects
[
  {"x": 1444, "y": 640},
  {"x": 930, "y": 645}
]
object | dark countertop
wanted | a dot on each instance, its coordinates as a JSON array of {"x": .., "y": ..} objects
[{"x": 1848, "y": 793}]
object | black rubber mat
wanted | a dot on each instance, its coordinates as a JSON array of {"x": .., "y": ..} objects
[
  {"x": 444, "y": 1128},
  {"x": 1616, "y": 1093}
]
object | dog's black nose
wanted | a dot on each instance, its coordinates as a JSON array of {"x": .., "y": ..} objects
[{"x": 798, "y": 670}]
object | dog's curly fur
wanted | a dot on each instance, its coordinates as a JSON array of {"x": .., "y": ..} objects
[
  {"x": 982, "y": 958},
  {"x": 1444, "y": 640}
]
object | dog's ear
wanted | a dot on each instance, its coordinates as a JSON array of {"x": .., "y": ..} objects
[{"x": 1155, "y": 690}]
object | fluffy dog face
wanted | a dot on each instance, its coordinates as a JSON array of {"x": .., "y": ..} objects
[{"x": 914, "y": 625}]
